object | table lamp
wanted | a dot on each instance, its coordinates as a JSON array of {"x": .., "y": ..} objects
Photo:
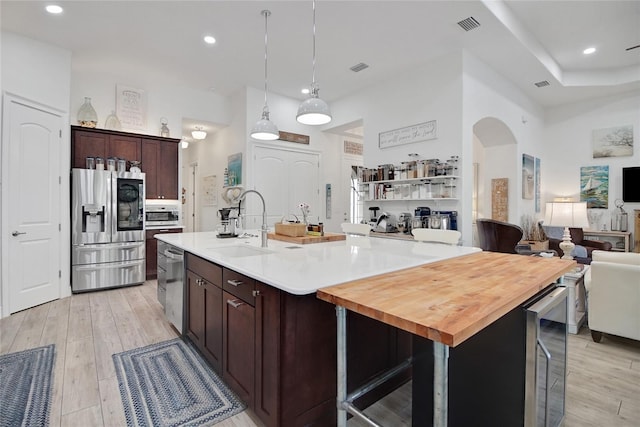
[{"x": 566, "y": 214}]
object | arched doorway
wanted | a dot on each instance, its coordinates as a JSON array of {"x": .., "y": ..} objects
[{"x": 494, "y": 157}]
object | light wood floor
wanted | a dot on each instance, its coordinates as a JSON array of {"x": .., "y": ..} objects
[{"x": 603, "y": 384}]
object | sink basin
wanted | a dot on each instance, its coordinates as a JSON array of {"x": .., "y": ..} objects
[{"x": 241, "y": 251}]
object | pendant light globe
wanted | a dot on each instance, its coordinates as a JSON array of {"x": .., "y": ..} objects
[
  {"x": 265, "y": 129},
  {"x": 314, "y": 111}
]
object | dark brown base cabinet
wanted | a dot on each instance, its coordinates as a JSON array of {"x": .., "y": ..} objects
[
  {"x": 277, "y": 351},
  {"x": 204, "y": 313}
]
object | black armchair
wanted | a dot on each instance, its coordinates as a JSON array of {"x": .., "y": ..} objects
[{"x": 498, "y": 236}]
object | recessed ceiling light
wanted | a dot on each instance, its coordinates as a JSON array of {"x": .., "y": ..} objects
[
  {"x": 209, "y": 39},
  {"x": 305, "y": 91},
  {"x": 589, "y": 50},
  {"x": 53, "y": 8}
]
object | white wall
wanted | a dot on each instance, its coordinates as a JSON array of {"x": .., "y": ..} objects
[
  {"x": 163, "y": 100},
  {"x": 41, "y": 73},
  {"x": 488, "y": 94},
  {"x": 567, "y": 146},
  {"x": 430, "y": 92}
]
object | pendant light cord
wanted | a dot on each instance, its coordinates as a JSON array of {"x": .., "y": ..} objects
[
  {"x": 266, "y": 14},
  {"x": 313, "y": 75}
]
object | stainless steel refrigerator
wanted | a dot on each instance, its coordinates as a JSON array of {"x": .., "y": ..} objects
[{"x": 107, "y": 229}]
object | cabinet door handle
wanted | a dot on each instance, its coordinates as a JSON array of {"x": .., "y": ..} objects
[
  {"x": 234, "y": 282},
  {"x": 234, "y": 303}
]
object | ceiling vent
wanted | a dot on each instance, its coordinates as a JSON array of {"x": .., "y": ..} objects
[
  {"x": 469, "y": 24},
  {"x": 542, "y": 83},
  {"x": 359, "y": 67}
]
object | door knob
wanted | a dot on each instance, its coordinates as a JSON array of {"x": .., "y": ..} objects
[{"x": 17, "y": 233}]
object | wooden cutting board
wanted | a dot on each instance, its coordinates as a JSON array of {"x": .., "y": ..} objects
[
  {"x": 328, "y": 237},
  {"x": 451, "y": 300}
]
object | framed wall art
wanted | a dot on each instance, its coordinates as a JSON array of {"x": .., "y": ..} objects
[
  {"x": 594, "y": 186},
  {"x": 612, "y": 142},
  {"x": 500, "y": 199},
  {"x": 528, "y": 177}
]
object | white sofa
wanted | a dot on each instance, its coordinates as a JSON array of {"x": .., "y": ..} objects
[{"x": 613, "y": 286}]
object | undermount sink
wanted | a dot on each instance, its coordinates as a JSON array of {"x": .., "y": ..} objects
[{"x": 241, "y": 251}]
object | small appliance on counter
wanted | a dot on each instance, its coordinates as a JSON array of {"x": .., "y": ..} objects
[
  {"x": 386, "y": 223},
  {"x": 421, "y": 219},
  {"x": 404, "y": 222},
  {"x": 228, "y": 225},
  {"x": 374, "y": 216}
]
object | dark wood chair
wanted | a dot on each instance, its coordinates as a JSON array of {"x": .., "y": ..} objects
[{"x": 498, "y": 236}]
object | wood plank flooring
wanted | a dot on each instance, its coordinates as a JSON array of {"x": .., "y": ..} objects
[{"x": 603, "y": 382}]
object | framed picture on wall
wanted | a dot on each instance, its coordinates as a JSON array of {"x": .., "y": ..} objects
[
  {"x": 613, "y": 142},
  {"x": 537, "y": 184},
  {"x": 528, "y": 177},
  {"x": 594, "y": 186}
]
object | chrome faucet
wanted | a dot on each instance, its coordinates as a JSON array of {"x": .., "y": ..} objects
[{"x": 264, "y": 229}]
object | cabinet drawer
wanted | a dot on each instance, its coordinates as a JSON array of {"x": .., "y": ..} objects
[
  {"x": 205, "y": 269},
  {"x": 239, "y": 285}
]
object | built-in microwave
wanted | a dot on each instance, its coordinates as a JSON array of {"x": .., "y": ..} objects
[{"x": 161, "y": 215}]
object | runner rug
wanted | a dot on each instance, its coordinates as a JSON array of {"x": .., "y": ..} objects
[
  {"x": 26, "y": 379},
  {"x": 169, "y": 384}
]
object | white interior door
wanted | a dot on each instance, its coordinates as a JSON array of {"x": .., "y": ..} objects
[
  {"x": 285, "y": 178},
  {"x": 33, "y": 196},
  {"x": 351, "y": 200}
]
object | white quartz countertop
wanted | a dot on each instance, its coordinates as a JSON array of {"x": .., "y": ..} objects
[{"x": 303, "y": 269}]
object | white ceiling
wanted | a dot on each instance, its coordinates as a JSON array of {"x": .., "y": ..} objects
[{"x": 525, "y": 41}]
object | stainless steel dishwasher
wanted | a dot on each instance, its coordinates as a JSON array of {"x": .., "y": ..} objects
[{"x": 171, "y": 283}]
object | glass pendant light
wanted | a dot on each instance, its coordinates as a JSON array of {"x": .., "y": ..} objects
[
  {"x": 314, "y": 111},
  {"x": 265, "y": 129}
]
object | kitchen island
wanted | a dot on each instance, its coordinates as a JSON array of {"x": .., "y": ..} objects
[{"x": 275, "y": 342}]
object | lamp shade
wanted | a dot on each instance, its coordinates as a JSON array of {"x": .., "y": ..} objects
[
  {"x": 313, "y": 111},
  {"x": 265, "y": 130},
  {"x": 566, "y": 214}
]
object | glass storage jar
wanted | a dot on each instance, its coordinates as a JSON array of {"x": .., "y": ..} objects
[{"x": 87, "y": 116}]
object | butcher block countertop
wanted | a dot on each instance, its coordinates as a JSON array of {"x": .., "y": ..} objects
[
  {"x": 449, "y": 301},
  {"x": 303, "y": 240}
]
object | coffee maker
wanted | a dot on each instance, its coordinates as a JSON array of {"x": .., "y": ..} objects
[{"x": 227, "y": 227}]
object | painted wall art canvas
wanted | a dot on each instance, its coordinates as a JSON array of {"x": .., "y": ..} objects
[
  {"x": 613, "y": 142},
  {"x": 528, "y": 177},
  {"x": 537, "y": 181},
  {"x": 235, "y": 169},
  {"x": 594, "y": 186}
]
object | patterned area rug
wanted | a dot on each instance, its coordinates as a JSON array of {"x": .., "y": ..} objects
[
  {"x": 168, "y": 384},
  {"x": 26, "y": 379}
]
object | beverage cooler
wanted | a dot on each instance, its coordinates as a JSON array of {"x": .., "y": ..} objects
[
  {"x": 107, "y": 229},
  {"x": 512, "y": 373}
]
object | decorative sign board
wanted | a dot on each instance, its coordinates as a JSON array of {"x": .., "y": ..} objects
[
  {"x": 351, "y": 147},
  {"x": 131, "y": 106},
  {"x": 294, "y": 137},
  {"x": 407, "y": 135}
]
